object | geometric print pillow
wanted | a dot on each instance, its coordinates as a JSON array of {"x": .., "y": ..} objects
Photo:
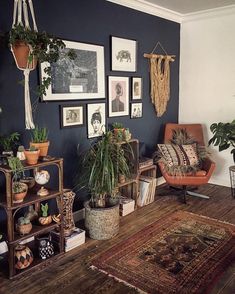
[{"x": 179, "y": 155}]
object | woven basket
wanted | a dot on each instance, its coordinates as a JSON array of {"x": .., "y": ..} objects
[{"x": 102, "y": 223}]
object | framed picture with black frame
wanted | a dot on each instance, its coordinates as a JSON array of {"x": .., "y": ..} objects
[
  {"x": 81, "y": 78},
  {"x": 71, "y": 116},
  {"x": 136, "y": 110},
  {"x": 137, "y": 88},
  {"x": 96, "y": 119},
  {"x": 123, "y": 54}
]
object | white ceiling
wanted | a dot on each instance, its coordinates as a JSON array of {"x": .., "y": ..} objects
[{"x": 190, "y": 6}]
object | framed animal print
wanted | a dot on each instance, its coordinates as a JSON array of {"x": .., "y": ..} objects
[{"x": 124, "y": 54}]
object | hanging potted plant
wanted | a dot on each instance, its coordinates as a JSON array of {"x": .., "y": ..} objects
[
  {"x": 30, "y": 46},
  {"x": 102, "y": 165},
  {"x": 19, "y": 190},
  {"x": 39, "y": 139}
]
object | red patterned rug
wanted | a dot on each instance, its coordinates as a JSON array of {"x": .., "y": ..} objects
[{"x": 181, "y": 253}]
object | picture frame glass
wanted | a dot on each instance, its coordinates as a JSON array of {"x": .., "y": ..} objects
[
  {"x": 136, "y": 110},
  {"x": 136, "y": 88},
  {"x": 124, "y": 53},
  {"x": 82, "y": 78},
  {"x": 96, "y": 119},
  {"x": 72, "y": 116},
  {"x": 118, "y": 96}
]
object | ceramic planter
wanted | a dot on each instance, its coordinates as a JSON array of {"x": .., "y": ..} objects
[
  {"x": 32, "y": 156},
  {"x": 102, "y": 223},
  {"x": 43, "y": 147},
  {"x": 19, "y": 197},
  {"x": 23, "y": 257},
  {"x": 24, "y": 229},
  {"x": 45, "y": 220},
  {"x": 21, "y": 53}
]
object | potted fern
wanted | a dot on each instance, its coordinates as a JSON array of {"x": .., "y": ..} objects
[
  {"x": 39, "y": 139},
  {"x": 102, "y": 164},
  {"x": 223, "y": 136},
  {"x": 30, "y": 46}
]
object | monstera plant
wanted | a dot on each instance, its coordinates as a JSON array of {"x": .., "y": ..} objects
[{"x": 223, "y": 136}]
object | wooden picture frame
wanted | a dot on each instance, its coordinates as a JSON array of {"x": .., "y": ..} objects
[
  {"x": 82, "y": 78},
  {"x": 124, "y": 54},
  {"x": 118, "y": 96},
  {"x": 71, "y": 116}
]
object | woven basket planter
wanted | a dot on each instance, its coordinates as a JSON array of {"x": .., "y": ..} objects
[{"x": 102, "y": 223}]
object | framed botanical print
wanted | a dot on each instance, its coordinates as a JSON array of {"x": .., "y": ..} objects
[
  {"x": 81, "y": 78},
  {"x": 136, "y": 88},
  {"x": 71, "y": 116},
  {"x": 96, "y": 119},
  {"x": 118, "y": 96},
  {"x": 136, "y": 110},
  {"x": 124, "y": 54}
]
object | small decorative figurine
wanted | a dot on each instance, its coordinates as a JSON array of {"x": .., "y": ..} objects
[
  {"x": 45, "y": 219},
  {"x": 42, "y": 177},
  {"x": 45, "y": 248}
]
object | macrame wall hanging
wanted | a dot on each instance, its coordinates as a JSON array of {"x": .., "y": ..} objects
[
  {"x": 160, "y": 79},
  {"x": 21, "y": 17}
]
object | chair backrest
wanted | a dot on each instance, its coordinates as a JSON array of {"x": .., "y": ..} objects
[{"x": 194, "y": 130}]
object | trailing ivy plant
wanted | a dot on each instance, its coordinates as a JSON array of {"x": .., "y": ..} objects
[
  {"x": 223, "y": 136},
  {"x": 45, "y": 47}
]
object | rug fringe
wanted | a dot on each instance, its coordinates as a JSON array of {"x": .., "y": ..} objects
[{"x": 118, "y": 280}]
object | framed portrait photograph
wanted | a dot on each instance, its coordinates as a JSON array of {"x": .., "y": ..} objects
[
  {"x": 124, "y": 54},
  {"x": 118, "y": 96},
  {"x": 96, "y": 120},
  {"x": 71, "y": 116},
  {"x": 136, "y": 88},
  {"x": 81, "y": 78},
  {"x": 136, "y": 110}
]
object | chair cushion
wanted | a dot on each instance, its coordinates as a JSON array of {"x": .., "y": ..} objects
[{"x": 179, "y": 155}]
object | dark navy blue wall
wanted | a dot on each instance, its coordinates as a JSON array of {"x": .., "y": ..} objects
[{"x": 91, "y": 21}]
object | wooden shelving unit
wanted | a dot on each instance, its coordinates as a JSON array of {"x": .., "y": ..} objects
[{"x": 13, "y": 238}]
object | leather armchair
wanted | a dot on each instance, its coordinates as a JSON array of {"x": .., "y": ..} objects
[{"x": 202, "y": 176}]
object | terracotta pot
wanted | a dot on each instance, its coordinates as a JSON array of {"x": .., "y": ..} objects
[
  {"x": 19, "y": 197},
  {"x": 24, "y": 229},
  {"x": 45, "y": 220},
  {"x": 32, "y": 156},
  {"x": 23, "y": 257},
  {"x": 119, "y": 134},
  {"x": 43, "y": 147},
  {"x": 21, "y": 52}
]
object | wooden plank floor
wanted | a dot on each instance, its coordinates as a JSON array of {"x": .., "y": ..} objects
[{"x": 71, "y": 274}]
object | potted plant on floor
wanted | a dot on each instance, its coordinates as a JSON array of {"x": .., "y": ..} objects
[
  {"x": 39, "y": 139},
  {"x": 102, "y": 164},
  {"x": 30, "y": 46},
  {"x": 223, "y": 136},
  {"x": 19, "y": 190}
]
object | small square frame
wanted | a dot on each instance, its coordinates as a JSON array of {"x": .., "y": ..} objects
[
  {"x": 71, "y": 116},
  {"x": 136, "y": 110}
]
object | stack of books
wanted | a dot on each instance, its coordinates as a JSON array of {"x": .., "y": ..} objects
[
  {"x": 70, "y": 242},
  {"x": 127, "y": 205},
  {"x": 147, "y": 190}
]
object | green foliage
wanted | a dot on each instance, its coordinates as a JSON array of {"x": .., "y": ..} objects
[
  {"x": 18, "y": 187},
  {"x": 16, "y": 166},
  {"x": 223, "y": 136},
  {"x": 21, "y": 148},
  {"x": 23, "y": 221},
  {"x": 44, "y": 209},
  {"x": 102, "y": 164},
  {"x": 117, "y": 125},
  {"x": 39, "y": 135},
  {"x": 9, "y": 142},
  {"x": 32, "y": 148},
  {"x": 45, "y": 48}
]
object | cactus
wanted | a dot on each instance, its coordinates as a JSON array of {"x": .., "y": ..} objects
[
  {"x": 21, "y": 148},
  {"x": 33, "y": 148},
  {"x": 23, "y": 221},
  {"x": 44, "y": 209}
]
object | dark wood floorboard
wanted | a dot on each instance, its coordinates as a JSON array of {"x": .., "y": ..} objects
[{"x": 72, "y": 275}]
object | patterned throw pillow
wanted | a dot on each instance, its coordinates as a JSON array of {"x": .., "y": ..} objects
[{"x": 179, "y": 155}]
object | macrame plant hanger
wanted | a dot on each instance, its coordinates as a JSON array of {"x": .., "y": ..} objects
[
  {"x": 160, "y": 78},
  {"x": 21, "y": 12}
]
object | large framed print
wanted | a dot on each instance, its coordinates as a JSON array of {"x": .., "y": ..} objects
[
  {"x": 96, "y": 120},
  {"x": 82, "y": 78},
  {"x": 71, "y": 116},
  {"x": 124, "y": 53},
  {"x": 118, "y": 96}
]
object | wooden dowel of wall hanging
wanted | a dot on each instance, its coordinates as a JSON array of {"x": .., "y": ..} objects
[{"x": 146, "y": 55}]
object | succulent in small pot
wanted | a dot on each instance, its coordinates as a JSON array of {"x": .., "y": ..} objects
[
  {"x": 23, "y": 226},
  {"x": 39, "y": 139},
  {"x": 32, "y": 155},
  {"x": 20, "y": 153},
  {"x": 118, "y": 130},
  {"x": 45, "y": 219},
  {"x": 19, "y": 191}
]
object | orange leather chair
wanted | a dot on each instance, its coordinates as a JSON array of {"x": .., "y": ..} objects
[{"x": 202, "y": 176}]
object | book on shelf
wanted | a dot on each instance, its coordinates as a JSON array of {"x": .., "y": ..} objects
[
  {"x": 145, "y": 161},
  {"x": 147, "y": 190},
  {"x": 127, "y": 205}
]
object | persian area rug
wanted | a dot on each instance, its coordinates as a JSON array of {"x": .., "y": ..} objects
[{"x": 181, "y": 253}]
